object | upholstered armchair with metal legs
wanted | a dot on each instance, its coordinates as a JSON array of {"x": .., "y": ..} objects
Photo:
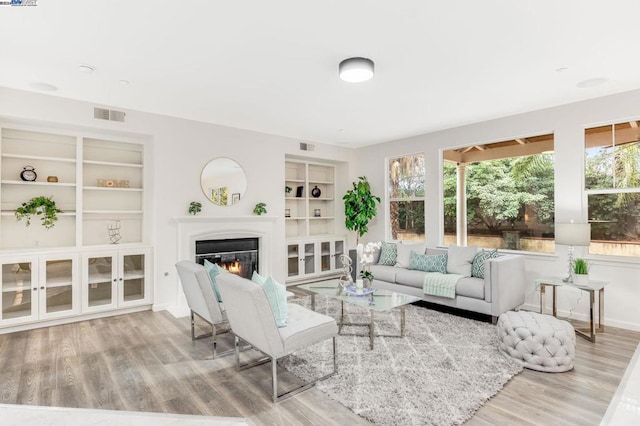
[
  {"x": 252, "y": 320},
  {"x": 202, "y": 302}
]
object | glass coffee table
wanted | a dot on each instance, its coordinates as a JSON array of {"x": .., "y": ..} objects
[{"x": 379, "y": 301}]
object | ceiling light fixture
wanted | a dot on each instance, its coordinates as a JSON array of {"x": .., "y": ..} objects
[
  {"x": 356, "y": 70},
  {"x": 592, "y": 82},
  {"x": 87, "y": 69}
]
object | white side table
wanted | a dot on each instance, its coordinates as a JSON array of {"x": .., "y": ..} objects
[{"x": 593, "y": 287}]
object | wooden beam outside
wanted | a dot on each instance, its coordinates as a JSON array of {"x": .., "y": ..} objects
[{"x": 504, "y": 152}]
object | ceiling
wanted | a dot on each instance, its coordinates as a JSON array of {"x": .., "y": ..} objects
[{"x": 271, "y": 66}]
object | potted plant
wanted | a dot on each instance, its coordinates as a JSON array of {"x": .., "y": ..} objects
[
  {"x": 580, "y": 272},
  {"x": 359, "y": 208},
  {"x": 195, "y": 207},
  {"x": 367, "y": 278},
  {"x": 260, "y": 209},
  {"x": 42, "y": 206}
]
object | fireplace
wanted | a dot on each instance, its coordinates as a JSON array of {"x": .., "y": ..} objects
[{"x": 237, "y": 255}]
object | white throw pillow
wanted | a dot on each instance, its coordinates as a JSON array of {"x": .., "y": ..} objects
[
  {"x": 459, "y": 259},
  {"x": 404, "y": 253}
]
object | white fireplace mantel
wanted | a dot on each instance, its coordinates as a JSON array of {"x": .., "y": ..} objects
[{"x": 195, "y": 228}]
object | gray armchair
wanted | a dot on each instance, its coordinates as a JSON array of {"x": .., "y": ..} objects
[
  {"x": 252, "y": 320},
  {"x": 202, "y": 301}
]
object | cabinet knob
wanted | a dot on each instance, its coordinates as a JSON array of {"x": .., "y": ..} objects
[
  {"x": 35, "y": 289},
  {"x": 115, "y": 280},
  {"x": 120, "y": 279},
  {"x": 42, "y": 288}
]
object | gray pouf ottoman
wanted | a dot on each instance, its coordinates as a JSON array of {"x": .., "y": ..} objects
[{"x": 539, "y": 342}]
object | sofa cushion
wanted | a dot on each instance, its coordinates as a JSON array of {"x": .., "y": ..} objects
[
  {"x": 404, "y": 253},
  {"x": 459, "y": 259},
  {"x": 384, "y": 273},
  {"x": 428, "y": 263},
  {"x": 470, "y": 287},
  {"x": 410, "y": 278},
  {"x": 477, "y": 266},
  {"x": 388, "y": 254}
]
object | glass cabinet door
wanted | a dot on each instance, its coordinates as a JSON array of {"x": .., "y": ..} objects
[
  {"x": 293, "y": 260},
  {"x": 338, "y": 250},
  {"x": 19, "y": 288},
  {"x": 132, "y": 278},
  {"x": 57, "y": 294},
  {"x": 309, "y": 258},
  {"x": 99, "y": 281},
  {"x": 325, "y": 256}
]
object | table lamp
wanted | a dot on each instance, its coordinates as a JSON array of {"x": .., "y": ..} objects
[{"x": 572, "y": 234}]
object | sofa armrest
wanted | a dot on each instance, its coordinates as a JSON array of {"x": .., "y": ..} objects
[{"x": 504, "y": 283}]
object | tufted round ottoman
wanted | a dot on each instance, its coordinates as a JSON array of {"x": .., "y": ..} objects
[{"x": 539, "y": 342}]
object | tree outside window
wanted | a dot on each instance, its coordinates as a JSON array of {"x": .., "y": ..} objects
[
  {"x": 612, "y": 187},
  {"x": 509, "y": 194},
  {"x": 406, "y": 197}
]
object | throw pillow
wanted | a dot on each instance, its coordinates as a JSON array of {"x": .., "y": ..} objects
[
  {"x": 459, "y": 259},
  {"x": 257, "y": 278},
  {"x": 477, "y": 266},
  {"x": 428, "y": 263},
  {"x": 404, "y": 253},
  {"x": 388, "y": 254},
  {"x": 214, "y": 270},
  {"x": 277, "y": 297}
]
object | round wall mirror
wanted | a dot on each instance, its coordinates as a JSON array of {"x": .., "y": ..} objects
[{"x": 223, "y": 181}]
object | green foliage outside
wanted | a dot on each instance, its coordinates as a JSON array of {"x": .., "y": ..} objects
[{"x": 498, "y": 192}]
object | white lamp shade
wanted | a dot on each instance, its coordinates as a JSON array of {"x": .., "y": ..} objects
[
  {"x": 573, "y": 234},
  {"x": 356, "y": 70}
]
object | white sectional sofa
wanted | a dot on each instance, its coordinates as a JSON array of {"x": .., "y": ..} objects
[{"x": 502, "y": 288}]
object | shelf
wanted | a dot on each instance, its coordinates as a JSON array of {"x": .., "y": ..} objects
[
  {"x": 12, "y": 288},
  {"x": 110, "y": 188},
  {"x": 111, "y": 164},
  {"x": 295, "y": 180},
  {"x": 321, "y": 218},
  {"x": 16, "y": 314},
  {"x": 295, "y": 218},
  {"x": 295, "y": 198},
  {"x": 39, "y": 157},
  {"x": 21, "y": 182},
  {"x": 322, "y": 199},
  {"x": 100, "y": 278},
  {"x": 112, "y": 212},
  {"x": 13, "y": 213},
  {"x": 320, "y": 182}
]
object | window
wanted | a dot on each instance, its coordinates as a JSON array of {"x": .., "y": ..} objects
[
  {"x": 612, "y": 186},
  {"x": 509, "y": 189},
  {"x": 406, "y": 197}
]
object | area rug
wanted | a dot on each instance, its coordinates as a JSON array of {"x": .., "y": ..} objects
[{"x": 443, "y": 370}]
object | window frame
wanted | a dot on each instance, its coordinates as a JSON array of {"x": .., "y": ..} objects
[{"x": 389, "y": 199}]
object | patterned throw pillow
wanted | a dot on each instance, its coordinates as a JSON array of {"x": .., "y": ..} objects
[
  {"x": 388, "y": 254},
  {"x": 477, "y": 267},
  {"x": 428, "y": 263}
]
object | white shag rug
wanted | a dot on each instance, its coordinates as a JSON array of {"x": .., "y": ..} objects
[{"x": 443, "y": 370}]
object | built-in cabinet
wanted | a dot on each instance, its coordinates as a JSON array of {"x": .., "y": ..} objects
[
  {"x": 313, "y": 248},
  {"x": 314, "y": 257},
  {"x": 115, "y": 279},
  {"x": 95, "y": 258}
]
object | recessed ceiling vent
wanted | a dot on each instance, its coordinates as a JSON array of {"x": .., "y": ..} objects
[
  {"x": 109, "y": 114},
  {"x": 307, "y": 146}
]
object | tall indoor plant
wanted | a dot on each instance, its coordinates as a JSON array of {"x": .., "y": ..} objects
[{"x": 359, "y": 208}]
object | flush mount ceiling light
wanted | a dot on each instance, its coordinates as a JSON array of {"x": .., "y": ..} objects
[
  {"x": 356, "y": 70},
  {"x": 87, "y": 69}
]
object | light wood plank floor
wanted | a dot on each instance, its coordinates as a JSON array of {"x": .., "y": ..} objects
[{"x": 147, "y": 362}]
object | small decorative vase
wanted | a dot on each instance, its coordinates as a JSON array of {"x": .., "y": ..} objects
[
  {"x": 367, "y": 283},
  {"x": 316, "y": 192}
]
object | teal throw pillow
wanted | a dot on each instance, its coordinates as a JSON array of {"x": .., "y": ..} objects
[
  {"x": 480, "y": 259},
  {"x": 214, "y": 270},
  {"x": 388, "y": 254},
  {"x": 277, "y": 297},
  {"x": 257, "y": 278},
  {"x": 428, "y": 263}
]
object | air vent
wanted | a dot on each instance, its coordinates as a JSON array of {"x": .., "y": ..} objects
[
  {"x": 101, "y": 113},
  {"x": 117, "y": 115},
  {"x": 109, "y": 114},
  {"x": 307, "y": 146}
]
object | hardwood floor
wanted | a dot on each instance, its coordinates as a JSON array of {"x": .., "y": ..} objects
[{"x": 147, "y": 362}]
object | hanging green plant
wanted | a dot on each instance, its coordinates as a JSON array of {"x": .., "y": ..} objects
[{"x": 43, "y": 206}]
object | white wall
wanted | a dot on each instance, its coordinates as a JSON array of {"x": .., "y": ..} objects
[
  {"x": 179, "y": 150},
  {"x": 567, "y": 123}
]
